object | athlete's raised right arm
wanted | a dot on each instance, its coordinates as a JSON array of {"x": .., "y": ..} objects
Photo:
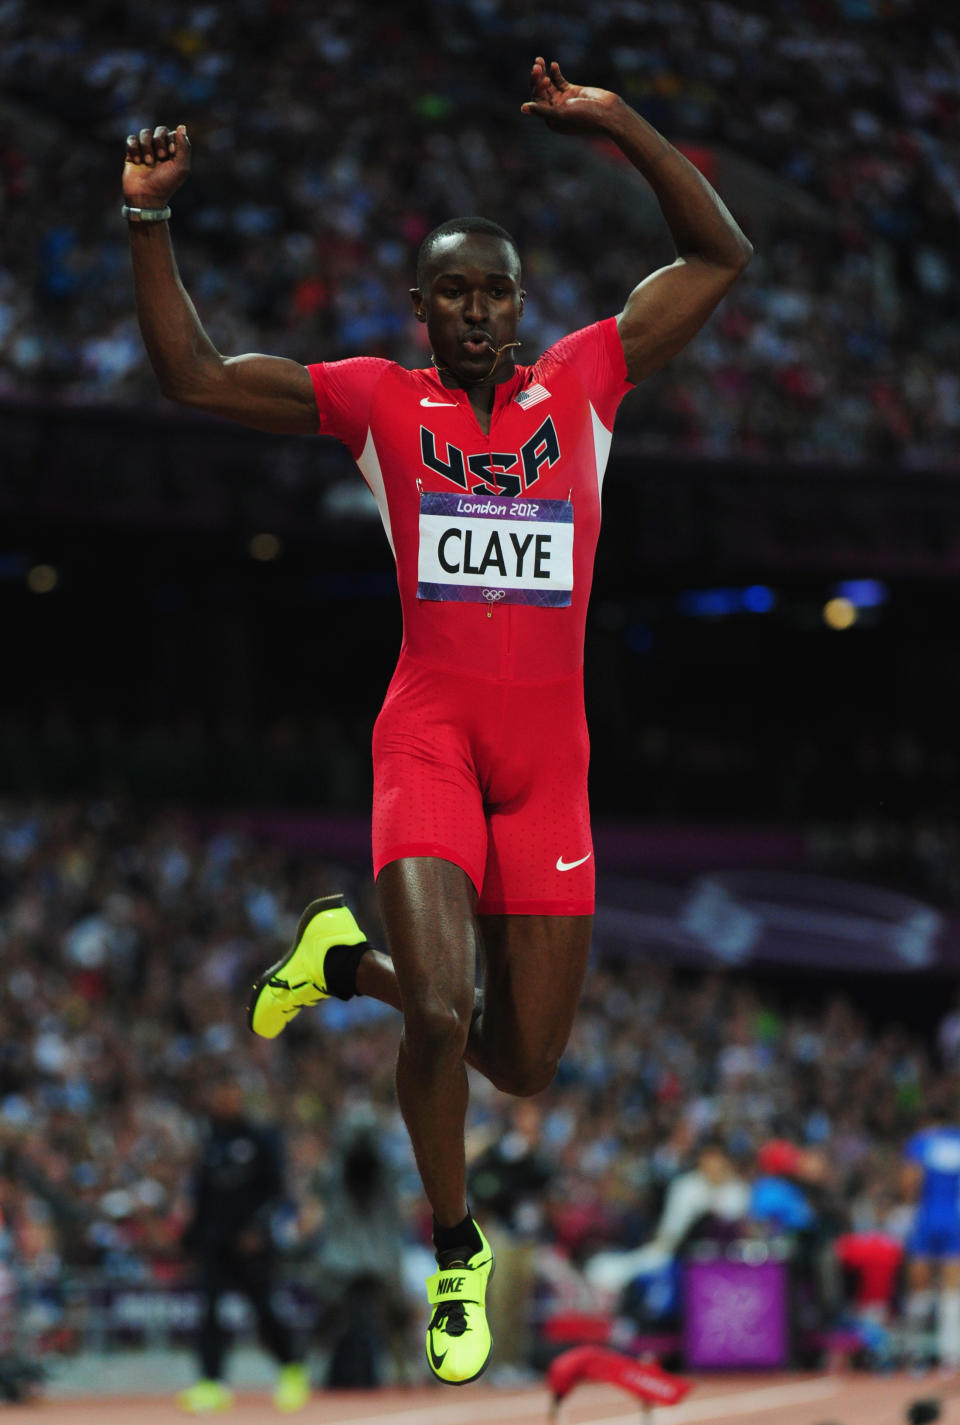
[{"x": 267, "y": 392}]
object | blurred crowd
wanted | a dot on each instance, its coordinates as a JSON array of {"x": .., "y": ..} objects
[
  {"x": 328, "y": 143},
  {"x": 127, "y": 942},
  {"x": 907, "y": 837}
]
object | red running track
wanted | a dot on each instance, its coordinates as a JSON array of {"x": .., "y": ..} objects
[{"x": 730, "y": 1400}]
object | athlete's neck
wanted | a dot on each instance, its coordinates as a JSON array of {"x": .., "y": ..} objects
[{"x": 481, "y": 400}]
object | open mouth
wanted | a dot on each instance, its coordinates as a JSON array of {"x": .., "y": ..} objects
[{"x": 477, "y": 342}]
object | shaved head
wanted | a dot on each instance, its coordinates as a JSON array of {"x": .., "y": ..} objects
[{"x": 435, "y": 242}]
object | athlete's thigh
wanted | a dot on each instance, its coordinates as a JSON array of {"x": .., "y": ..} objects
[
  {"x": 533, "y": 972},
  {"x": 427, "y": 800},
  {"x": 428, "y": 908},
  {"x": 539, "y": 847}
]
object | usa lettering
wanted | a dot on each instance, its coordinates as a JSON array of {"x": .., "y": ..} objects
[
  {"x": 493, "y": 472},
  {"x": 455, "y": 553}
]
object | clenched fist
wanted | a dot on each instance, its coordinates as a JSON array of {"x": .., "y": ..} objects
[{"x": 155, "y": 166}]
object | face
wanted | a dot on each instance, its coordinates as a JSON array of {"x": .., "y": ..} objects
[
  {"x": 714, "y": 1165},
  {"x": 471, "y": 301}
]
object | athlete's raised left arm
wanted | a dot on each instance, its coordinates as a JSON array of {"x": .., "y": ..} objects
[{"x": 672, "y": 304}]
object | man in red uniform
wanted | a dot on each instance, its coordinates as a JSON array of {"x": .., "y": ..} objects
[{"x": 488, "y": 477}]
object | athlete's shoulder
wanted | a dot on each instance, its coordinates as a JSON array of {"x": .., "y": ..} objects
[
  {"x": 381, "y": 365},
  {"x": 348, "y": 391},
  {"x": 354, "y": 374},
  {"x": 352, "y": 368},
  {"x": 593, "y": 359},
  {"x": 600, "y": 341}
]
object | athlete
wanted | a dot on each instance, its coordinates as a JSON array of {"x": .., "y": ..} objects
[
  {"x": 932, "y": 1180},
  {"x": 488, "y": 476}
]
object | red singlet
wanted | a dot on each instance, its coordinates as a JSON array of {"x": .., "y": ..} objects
[{"x": 480, "y": 751}]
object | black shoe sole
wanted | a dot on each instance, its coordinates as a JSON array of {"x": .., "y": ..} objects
[
  {"x": 314, "y": 908},
  {"x": 469, "y": 1380}
]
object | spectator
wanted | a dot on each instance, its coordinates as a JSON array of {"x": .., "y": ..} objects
[
  {"x": 148, "y": 927},
  {"x": 508, "y": 1180},
  {"x": 874, "y": 1260},
  {"x": 777, "y": 1200},
  {"x": 237, "y": 1186},
  {"x": 841, "y": 346},
  {"x": 708, "y": 1202},
  {"x": 932, "y": 1179},
  {"x": 363, "y": 1298}
]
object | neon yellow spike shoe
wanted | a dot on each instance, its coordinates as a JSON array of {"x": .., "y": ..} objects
[
  {"x": 298, "y": 979},
  {"x": 293, "y": 1388},
  {"x": 458, "y": 1337},
  {"x": 205, "y": 1397}
]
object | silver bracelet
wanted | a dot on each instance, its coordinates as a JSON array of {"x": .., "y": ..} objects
[{"x": 146, "y": 215}]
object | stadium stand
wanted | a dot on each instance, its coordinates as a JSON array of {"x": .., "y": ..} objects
[{"x": 298, "y": 232}]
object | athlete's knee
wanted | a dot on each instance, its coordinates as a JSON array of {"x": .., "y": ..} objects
[
  {"x": 523, "y": 1079},
  {"x": 433, "y": 1027}
]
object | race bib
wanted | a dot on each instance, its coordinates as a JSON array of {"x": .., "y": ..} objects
[{"x": 484, "y": 549}]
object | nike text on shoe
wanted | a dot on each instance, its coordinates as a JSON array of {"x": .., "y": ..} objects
[
  {"x": 298, "y": 979},
  {"x": 458, "y": 1337}
]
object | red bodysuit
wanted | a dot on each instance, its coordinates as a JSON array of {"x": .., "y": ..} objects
[{"x": 480, "y": 750}]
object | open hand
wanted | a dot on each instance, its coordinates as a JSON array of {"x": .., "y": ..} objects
[
  {"x": 155, "y": 166},
  {"x": 573, "y": 108}
]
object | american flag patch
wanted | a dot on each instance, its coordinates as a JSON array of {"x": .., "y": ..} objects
[{"x": 532, "y": 396}]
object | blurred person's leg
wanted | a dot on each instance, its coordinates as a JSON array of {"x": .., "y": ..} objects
[
  {"x": 253, "y": 1274},
  {"x": 829, "y": 1282},
  {"x": 948, "y": 1314},
  {"x": 511, "y": 1297},
  {"x": 209, "y": 1394},
  {"x": 919, "y": 1306},
  {"x": 354, "y": 1362},
  {"x": 212, "y": 1340}
]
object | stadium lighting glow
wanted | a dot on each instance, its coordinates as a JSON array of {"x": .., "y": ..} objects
[
  {"x": 862, "y": 593},
  {"x": 42, "y": 579},
  {"x": 758, "y": 599},
  {"x": 264, "y": 547},
  {"x": 839, "y": 613},
  {"x": 718, "y": 603}
]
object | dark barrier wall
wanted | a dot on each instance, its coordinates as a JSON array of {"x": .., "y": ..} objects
[
  {"x": 717, "y": 519},
  {"x": 153, "y": 642}
]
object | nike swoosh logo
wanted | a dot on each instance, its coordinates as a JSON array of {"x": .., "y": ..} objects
[
  {"x": 435, "y": 1360},
  {"x": 426, "y": 401},
  {"x": 569, "y": 865}
]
